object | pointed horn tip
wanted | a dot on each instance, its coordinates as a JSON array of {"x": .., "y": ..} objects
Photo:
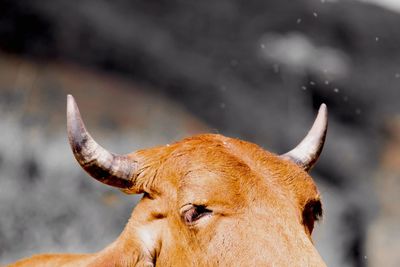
[
  {"x": 75, "y": 125},
  {"x": 323, "y": 108},
  {"x": 70, "y": 100},
  {"x": 72, "y": 108},
  {"x": 322, "y": 114}
]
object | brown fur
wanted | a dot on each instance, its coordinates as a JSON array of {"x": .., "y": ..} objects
[{"x": 256, "y": 198}]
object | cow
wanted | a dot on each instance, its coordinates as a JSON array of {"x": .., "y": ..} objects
[{"x": 208, "y": 200}]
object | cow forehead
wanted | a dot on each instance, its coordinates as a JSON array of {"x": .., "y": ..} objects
[
  {"x": 205, "y": 166},
  {"x": 215, "y": 185}
]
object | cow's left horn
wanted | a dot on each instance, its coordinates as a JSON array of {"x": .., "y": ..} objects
[
  {"x": 307, "y": 152},
  {"x": 104, "y": 166}
]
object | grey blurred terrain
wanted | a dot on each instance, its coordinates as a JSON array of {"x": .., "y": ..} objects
[
  {"x": 147, "y": 73},
  {"x": 48, "y": 204}
]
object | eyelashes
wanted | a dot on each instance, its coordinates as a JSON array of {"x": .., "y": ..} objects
[{"x": 192, "y": 213}]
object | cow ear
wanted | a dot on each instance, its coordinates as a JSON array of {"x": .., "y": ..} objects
[{"x": 307, "y": 152}]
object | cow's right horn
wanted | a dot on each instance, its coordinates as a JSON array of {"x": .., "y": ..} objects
[
  {"x": 307, "y": 152},
  {"x": 106, "y": 167}
]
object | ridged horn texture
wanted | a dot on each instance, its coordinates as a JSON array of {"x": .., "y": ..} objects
[
  {"x": 104, "y": 166},
  {"x": 307, "y": 152}
]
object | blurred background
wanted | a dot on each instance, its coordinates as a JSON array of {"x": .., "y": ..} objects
[{"x": 146, "y": 73}]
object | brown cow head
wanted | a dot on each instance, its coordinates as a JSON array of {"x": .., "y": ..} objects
[{"x": 210, "y": 200}]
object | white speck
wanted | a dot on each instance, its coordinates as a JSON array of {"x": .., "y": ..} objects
[
  {"x": 358, "y": 111},
  {"x": 326, "y": 82},
  {"x": 304, "y": 88},
  {"x": 167, "y": 144},
  {"x": 397, "y": 75},
  {"x": 298, "y": 21},
  {"x": 262, "y": 46},
  {"x": 336, "y": 90},
  {"x": 315, "y": 14},
  {"x": 312, "y": 82},
  {"x": 222, "y": 105},
  {"x": 377, "y": 38},
  {"x": 323, "y": 1}
]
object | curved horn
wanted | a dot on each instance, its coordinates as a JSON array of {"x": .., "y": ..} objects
[
  {"x": 104, "y": 166},
  {"x": 307, "y": 152}
]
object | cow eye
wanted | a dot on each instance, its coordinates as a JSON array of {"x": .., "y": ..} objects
[
  {"x": 191, "y": 213},
  {"x": 312, "y": 212}
]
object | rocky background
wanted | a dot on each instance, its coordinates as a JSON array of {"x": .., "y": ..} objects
[{"x": 147, "y": 73}]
